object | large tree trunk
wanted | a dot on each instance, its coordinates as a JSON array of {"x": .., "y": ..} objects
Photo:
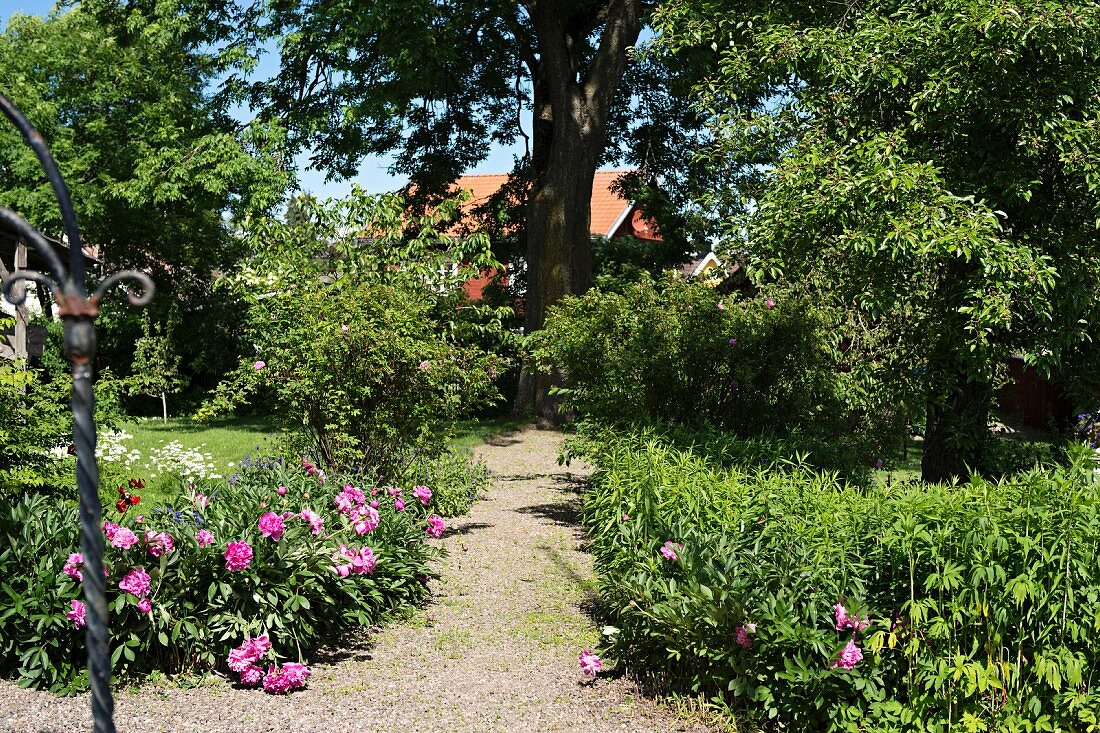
[
  {"x": 570, "y": 121},
  {"x": 955, "y": 431}
]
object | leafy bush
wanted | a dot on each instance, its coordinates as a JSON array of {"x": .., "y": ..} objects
[
  {"x": 456, "y": 480},
  {"x": 36, "y": 427},
  {"x": 683, "y": 353},
  {"x": 292, "y": 589},
  {"x": 363, "y": 335},
  {"x": 981, "y": 599}
]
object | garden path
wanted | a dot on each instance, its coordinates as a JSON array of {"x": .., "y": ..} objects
[{"x": 495, "y": 651}]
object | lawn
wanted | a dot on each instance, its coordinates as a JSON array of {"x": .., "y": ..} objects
[{"x": 221, "y": 444}]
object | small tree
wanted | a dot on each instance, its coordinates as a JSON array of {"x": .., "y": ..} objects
[{"x": 156, "y": 365}]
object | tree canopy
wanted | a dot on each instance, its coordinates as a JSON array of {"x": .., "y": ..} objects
[{"x": 932, "y": 166}]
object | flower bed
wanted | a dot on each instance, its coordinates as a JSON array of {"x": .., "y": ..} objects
[
  {"x": 818, "y": 605},
  {"x": 281, "y": 561}
]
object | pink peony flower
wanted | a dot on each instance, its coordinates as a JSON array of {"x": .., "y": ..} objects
[
  {"x": 73, "y": 566},
  {"x": 259, "y": 365},
  {"x": 159, "y": 543},
  {"x": 136, "y": 583},
  {"x": 398, "y": 504},
  {"x": 423, "y": 493},
  {"x": 348, "y": 499},
  {"x": 435, "y": 526},
  {"x": 277, "y": 683},
  {"x": 76, "y": 614},
  {"x": 364, "y": 519},
  {"x": 296, "y": 673},
  {"x": 343, "y": 569},
  {"x": 844, "y": 621},
  {"x": 238, "y": 555},
  {"x": 769, "y": 303},
  {"x": 257, "y": 646},
  {"x": 849, "y": 657},
  {"x": 741, "y": 635},
  {"x": 204, "y": 537},
  {"x": 271, "y": 525},
  {"x": 145, "y": 605},
  {"x": 363, "y": 563},
  {"x": 316, "y": 521},
  {"x": 120, "y": 537},
  {"x": 393, "y": 491},
  {"x": 669, "y": 548},
  {"x": 251, "y": 675},
  {"x": 590, "y": 663},
  {"x": 201, "y": 501},
  {"x": 281, "y": 491}
]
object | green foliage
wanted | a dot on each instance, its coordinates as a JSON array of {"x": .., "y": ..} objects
[
  {"x": 152, "y": 159},
  {"x": 201, "y": 610},
  {"x": 903, "y": 164},
  {"x": 683, "y": 353},
  {"x": 455, "y": 478},
  {"x": 362, "y": 338},
  {"x": 156, "y": 366},
  {"x": 35, "y": 427},
  {"x": 982, "y": 597}
]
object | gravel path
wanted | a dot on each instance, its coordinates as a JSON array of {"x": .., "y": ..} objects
[{"x": 496, "y": 651}]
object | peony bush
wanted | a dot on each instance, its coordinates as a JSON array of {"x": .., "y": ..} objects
[
  {"x": 263, "y": 569},
  {"x": 809, "y": 603}
]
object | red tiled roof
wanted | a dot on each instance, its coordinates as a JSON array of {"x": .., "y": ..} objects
[{"x": 608, "y": 206}]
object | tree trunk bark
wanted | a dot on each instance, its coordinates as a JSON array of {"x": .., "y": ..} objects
[
  {"x": 571, "y": 106},
  {"x": 164, "y": 406},
  {"x": 955, "y": 432}
]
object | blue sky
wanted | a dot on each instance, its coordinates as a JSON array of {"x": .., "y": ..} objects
[{"x": 373, "y": 174}]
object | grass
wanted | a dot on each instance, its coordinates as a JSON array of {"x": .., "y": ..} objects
[
  {"x": 901, "y": 464},
  {"x": 225, "y": 441},
  {"x": 471, "y": 433}
]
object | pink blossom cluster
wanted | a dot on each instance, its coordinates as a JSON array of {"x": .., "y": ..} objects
[
  {"x": 136, "y": 582},
  {"x": 243, "y": 660},
  {"x": 669, "y": 550},
  {"x": 290, "y": 677},
  {"x": 349, "y": 560},
  {"x": 120, "y": 537},
  {"x": 238, "y": 555},
  {"x": 393, "y": 491},
  {"x": 849, "y": 657},
  {"x": 352, "y": 503},
  {"x": 271, "y": 525},
  {"x": 316, "y": 521},
  {"x": 312, "y": 470},
  {"x": 590, "y": 663},
  {"x": 159, "y": 543},
  {"x": 423, "y": 493},
  {"x": 204, "y": 537},
  {"x": 76, "y": 614},
  {"x": 435, "y": 526},
  {"x": 844, "y": 621},
  {"x": 73, "y": 566},
  {"x": 398, "y": 504},
  {"x": 741, "y": 635}
]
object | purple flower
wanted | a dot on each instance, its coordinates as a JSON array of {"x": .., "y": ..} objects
[{"x": 590, "y": 663}]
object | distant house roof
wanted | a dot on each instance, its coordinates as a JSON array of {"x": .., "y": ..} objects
[
  {"x": 609, "y": 209},
  {"x": 9, "y": 238}
]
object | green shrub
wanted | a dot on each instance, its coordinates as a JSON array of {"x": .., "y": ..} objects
[
  {"x": 983, "y": 598},
  {"x": 363, "y": 340},
  {"x": 683, "y": 353},
  {"x": 456, "y": 480},
  {"x": 200, "y": 609}
]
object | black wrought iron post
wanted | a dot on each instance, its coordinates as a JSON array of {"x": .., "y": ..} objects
[{"x": 78, "y": 311}]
